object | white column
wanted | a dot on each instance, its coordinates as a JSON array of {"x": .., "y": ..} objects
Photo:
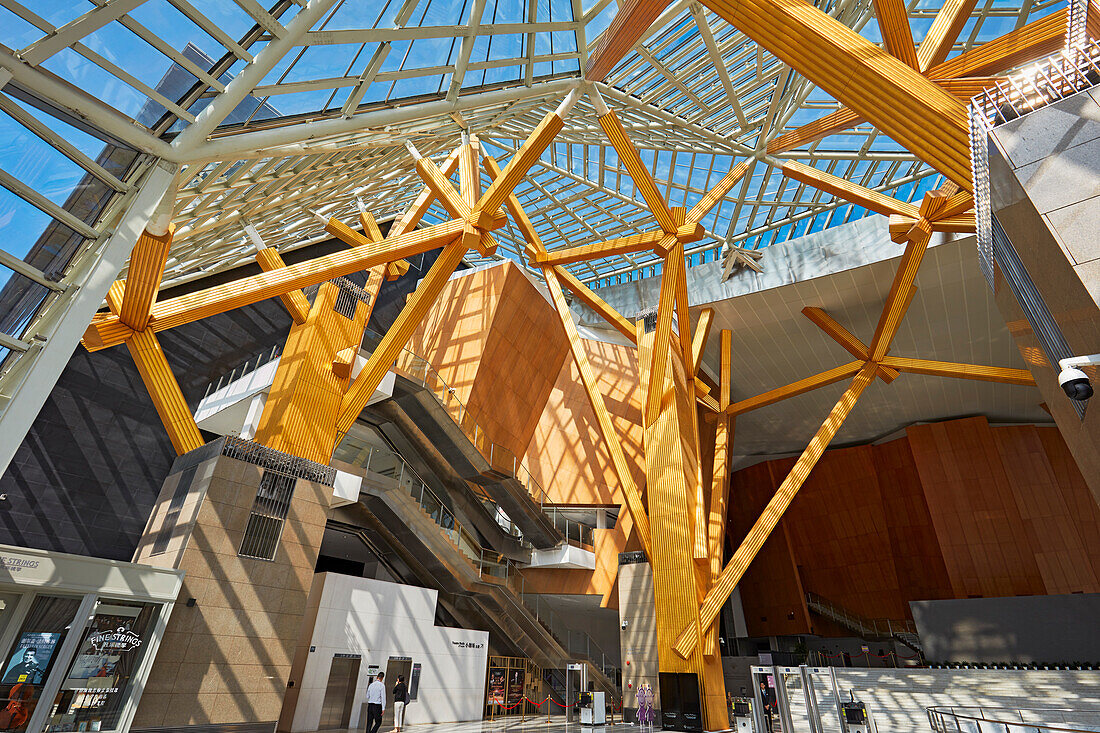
[{"x": 23, "y": 390}]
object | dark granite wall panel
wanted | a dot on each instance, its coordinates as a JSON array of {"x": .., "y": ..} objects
[{"x": 86, "y": 476}]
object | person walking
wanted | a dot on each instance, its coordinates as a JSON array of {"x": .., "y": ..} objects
[
  {"x": 376, "y": 703},
  {"x": 400, "y": 698}
]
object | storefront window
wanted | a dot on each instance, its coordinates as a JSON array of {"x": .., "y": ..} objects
[
  {"x": 28, "y": 664},
  {"x": 8, "y": 602},
  {"x": 95, "y": 690}
]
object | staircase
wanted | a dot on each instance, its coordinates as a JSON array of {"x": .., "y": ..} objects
[
  {"x": 422, "y": 525},
  {"x": 904, "y": 631}
]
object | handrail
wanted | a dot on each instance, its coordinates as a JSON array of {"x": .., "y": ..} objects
[
  {"x": 497, "y": 455},
  {"x": 875, "y": 626},
  {"x": 387, "y": 463},
  {"x": 967, "y": 719},
  {"x": 421, "y": 370}
]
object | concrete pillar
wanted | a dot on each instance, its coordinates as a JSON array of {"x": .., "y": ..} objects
[{"x": 1045, "y": 191}]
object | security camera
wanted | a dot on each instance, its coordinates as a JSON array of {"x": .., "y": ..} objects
[
  {"x": 622, "y": 625},
  {"x": 1074, "y": 382}
]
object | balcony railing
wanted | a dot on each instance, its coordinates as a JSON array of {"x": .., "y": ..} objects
[{"x": 1013, "y": 720}]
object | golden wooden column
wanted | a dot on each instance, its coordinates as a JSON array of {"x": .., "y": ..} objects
[
  {"x": 300, "y": 414},
  {"x": 671, "y": 495}
]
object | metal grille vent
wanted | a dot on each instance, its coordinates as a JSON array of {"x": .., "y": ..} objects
[
  {"x": 278, "y": 462},
  {"x": 268, "y": 515}
]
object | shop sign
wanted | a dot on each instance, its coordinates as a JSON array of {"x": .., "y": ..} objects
[
  {"x": 467, "y": 644},
  {"x": 117, "y": 641},
  {"x": 18, "y": 564}
]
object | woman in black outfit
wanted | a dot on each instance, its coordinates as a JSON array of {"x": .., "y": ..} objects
[{"x": 400, "y": 697}]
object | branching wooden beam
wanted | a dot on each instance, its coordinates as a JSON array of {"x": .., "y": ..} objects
[
  {"x": 628, "y": 156},
  {"x": 849, "y": 191},
  {"x": 895, "y": 98},
  {"x": 528, "y": 154},
  {"x": 844, "y": 337},
  {"x": 630, "y": 22},
  {"x": 1035, "y": 40},
  {"x": 839, "y": 121},
  {"x": 646, "y": 241},
  {"x": 587, "y": 296},
  {"x": 977, "y": 372},
  {"x": 294, "y": 301},
  {"x": 700, "y": 335},
  {"x": 423, "y": 201},
  {"x": 893, "y": 23},
  {"x": 200, "y": 304},
  {"x": 949, "y": 21},
  {"x": 897, "y": 302},
  {"x": 143, "y": 277},
  {"x": 733, "y": 572},
  {"x": 164, "y": 391},
  {"x": 719, "y": 192},
  {"x": 795, "y": 388}
]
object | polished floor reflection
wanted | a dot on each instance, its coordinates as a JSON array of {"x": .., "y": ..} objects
[{"x": 509, "y": 725}]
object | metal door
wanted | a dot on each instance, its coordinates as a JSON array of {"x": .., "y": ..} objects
[
  {"x": 394, "y": 667},
  {"x": 343, "y": 675}
]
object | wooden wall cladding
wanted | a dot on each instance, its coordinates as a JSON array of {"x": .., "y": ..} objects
[
  {"x": 951, "y": 510},
  {"x": 498, "y": 344}
]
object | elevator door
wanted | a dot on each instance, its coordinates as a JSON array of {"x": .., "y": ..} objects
[
  {"x": 394, "y": 667},
  {"x": 339, "y": 693}
]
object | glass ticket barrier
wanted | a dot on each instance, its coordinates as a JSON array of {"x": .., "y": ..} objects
[{"x": 803, "y": 699}]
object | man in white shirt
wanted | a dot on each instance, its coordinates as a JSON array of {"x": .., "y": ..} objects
[{"x": 376, "y": 703}]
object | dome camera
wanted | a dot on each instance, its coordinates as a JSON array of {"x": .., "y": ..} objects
[
  {"x": 623, "y": 625},
  {"x": 1074, "y": 382}
]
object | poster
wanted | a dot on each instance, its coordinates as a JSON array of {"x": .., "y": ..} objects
[
  {"x": 498, "y": 680},
  {"x": 515, "y": 686},
  {"x": 31, "y": 657},
  {"x": 414, "y": 682}
]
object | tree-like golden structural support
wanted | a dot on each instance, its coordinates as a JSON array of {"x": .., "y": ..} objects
[
  {"x": 165, "y": 391},
  {"x": 963, "y": 77},
  {"x": 871, "y": 360},
  {"x": 104, "y": 331},
  {"x": 735, "y": 569},
  {"x": 143, "y": 277}
]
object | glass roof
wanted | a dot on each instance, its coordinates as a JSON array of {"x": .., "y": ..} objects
[{"x": 240, "y": 91}]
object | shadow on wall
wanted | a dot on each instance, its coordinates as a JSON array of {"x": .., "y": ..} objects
[
  {"x": 1021, "y": 629},
  {"x": 85, "y": 478}
]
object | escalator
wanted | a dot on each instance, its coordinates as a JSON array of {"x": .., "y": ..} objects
[
  {"x": 480, "y": 587},
  {"x": 436, "y": 423}
]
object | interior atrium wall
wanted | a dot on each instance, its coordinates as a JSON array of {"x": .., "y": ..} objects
[
  {"x": 497, "y": 342},
  {"x": 956, "y": 509},
  {"x": 85, "y": 478},
  {"x": 1044, "y": 170}
]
